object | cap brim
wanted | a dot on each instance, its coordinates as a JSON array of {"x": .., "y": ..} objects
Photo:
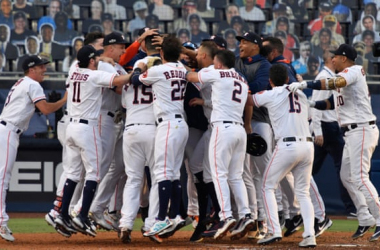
[
  {"x": 333, "y": 51},
  {"x": 43, "y": 61},
  {"x": 239, "y": 38}
]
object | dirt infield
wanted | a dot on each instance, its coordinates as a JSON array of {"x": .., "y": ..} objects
[{"x": 109, "y": 240}]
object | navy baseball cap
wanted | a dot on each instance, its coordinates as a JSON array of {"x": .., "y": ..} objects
[
  {"x": 251, "y": 37},
  {"x": 347, "y": 51},
  {"x": 19, "y": 14},
  {"x": 86, "y": 53},
  {"x": 189, "y": 45},
  {"x": 32, "y": 61},
  {"x": 220, "y": 41},
  {"x": 107, "y": 16},
  {"x": 114, "y": 38}
]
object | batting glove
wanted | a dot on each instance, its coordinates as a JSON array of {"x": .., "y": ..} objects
[{"x": 297, "y": 85}]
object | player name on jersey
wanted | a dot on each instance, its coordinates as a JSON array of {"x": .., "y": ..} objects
[
  {"x": 175, "y": 74},
  {"x": 79, "y": 77},
  {"x": 232, "y": 74}
]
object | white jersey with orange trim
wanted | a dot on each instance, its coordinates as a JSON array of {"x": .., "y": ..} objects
[
  {"x": 84, "y": 92},
  {"x": 291, "y": 123},
  {"x": 353, "y": 102},
  {"x": 169, "y": 83},
  {"x": 20, "y": 103},
  {"x": 205, "y": 91},
  {"x": 228, "y": 105}
]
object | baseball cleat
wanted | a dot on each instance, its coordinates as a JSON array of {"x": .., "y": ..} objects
[
  {"x": 50, "y": 219},
  {"x": 62, "y": 231},
  {"x": 293, "y": 225},
  {"x": 223, "y": 227},
  {"x": 64, "y": 225},
  {"x": 125, "y": 235},
  {"x": 158, "y": 227},
  {"x": 212, "y": 229},
  {"x": 242, "y": 227},
  {"x": 308, "y": 242},
  {"x": 6, "y": 233},
  {"x": 154, "y": 238},
  {"x": 269, "y": 238},
  {"x": 360, "y": 232},
  {"x": 98, "y": 218},
  {"x": 177, "y": 223},
  {"x": 376, "y": 234},
  {"x": 320, "y": 227},
  {"x": 84, "y": 225},
  {"x": 112, "y": 218}
]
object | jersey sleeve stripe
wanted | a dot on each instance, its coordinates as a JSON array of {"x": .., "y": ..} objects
[
  {"x": 111, "y": 81},
  {"x": 35, "y": 100}
]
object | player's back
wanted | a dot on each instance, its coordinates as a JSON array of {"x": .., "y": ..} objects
[
  {"x": 84, "y": 92},
  {"x": 288, "y": 112},
  {"x": 169, "y": 83},
  {"x": 229, "y": 94}
]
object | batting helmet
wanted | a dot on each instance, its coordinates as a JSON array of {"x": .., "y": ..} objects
[{"x": 256, "y": 145}]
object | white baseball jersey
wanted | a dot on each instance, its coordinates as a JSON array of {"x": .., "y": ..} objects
[
  {"x": 226, "y": 106},
  {"x": 322, "y": 115},
  {"x": 353, "y": 102},
  {"x": 285, "y": 124},
  {"x": 19, "y": 105},
  {"x": 168, "y": 97},
  {"x": 84, "y": 92}
]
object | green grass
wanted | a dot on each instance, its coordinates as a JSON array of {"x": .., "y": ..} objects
[{"x": 39, "y": 225}]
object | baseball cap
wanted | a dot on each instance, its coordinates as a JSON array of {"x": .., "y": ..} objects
[
  {"x": 283, "y": 19},
  {"x": 280, "y": 33},
  {"x": 329, "y": 19},
  {"x": 347, "y": 51},
  {"x": 114, "y": 38},
  {"x": 107, "y": 16},
  {"x": 220, "y": 41},
  {"x": 140, "y": 5},
  {"x": 252, "y": 37},
  {"x": 189, "y": 3},
  {"x": 341, "y": 9},
  {"x": 32, "y": 61},
  {"x": 325, "y": 6},
  {"x": 189, "y": 45},
  {"x": 312, "y": 59},
  {"x": 19, "y": 14},
  {"x": 279, "y": 7},
  {"x": 142, "y": 30},
  {"x": 86, "y": 53},
  {"x": 236, "y": 19},
  {"x": 151, "y": 17}
]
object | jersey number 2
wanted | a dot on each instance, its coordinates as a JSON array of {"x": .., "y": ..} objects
[
  {"x": 178, "y": 90},
  {"x": 236, "y": 92},
  {"x": 295, "y": 106}
]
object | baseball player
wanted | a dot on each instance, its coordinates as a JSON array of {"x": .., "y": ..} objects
[
  {"x": 294, "y": 149},
  {"x": 255, "y": 68},
  {"x": 25, "y": 95},
  {"x": 138, "y": 147},
  {"x": 168, "y": 83},
  {"x": 328, "y": 135},
  {"x": 96, "y": 40},
  {"x": 83, "y": 138},
  {"x": 228, "y": 140},
  {"x": 199, "y": 162},
  {"x": 355, "y": 116},
  {"x": 110, "y": 131}
]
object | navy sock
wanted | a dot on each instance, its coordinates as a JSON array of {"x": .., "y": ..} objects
[
  {"x": 148, "y": 178},
  {"x": 88, "y": 195},
  {"x": 164, "y": 193},
  {"x": 176, "y": 199},
  {"x": 68, "y": 191},
  {"x": 214, "y": 199},
  {"x": 202, "y": 200}
]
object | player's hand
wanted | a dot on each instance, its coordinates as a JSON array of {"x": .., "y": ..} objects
[
  {"x": 196, "y": 101},
  {"x": 299, "y": 78},
  {"x": 297, "y": 85},
  {"x": 318, "y": 140},
  {"x": 157, "y": 41},
  {"x": 148, "y": 32},
  {"x": 311, "y": 103}
]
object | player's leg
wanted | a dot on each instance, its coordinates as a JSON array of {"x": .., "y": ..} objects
[
  {"x": 9, "y": 142},
  {"x": 302, "y": 175},
  {"x": 362, "y": 143},
  {"x": 237, "y": 186},
  {"x": 250, "y": 186}
]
